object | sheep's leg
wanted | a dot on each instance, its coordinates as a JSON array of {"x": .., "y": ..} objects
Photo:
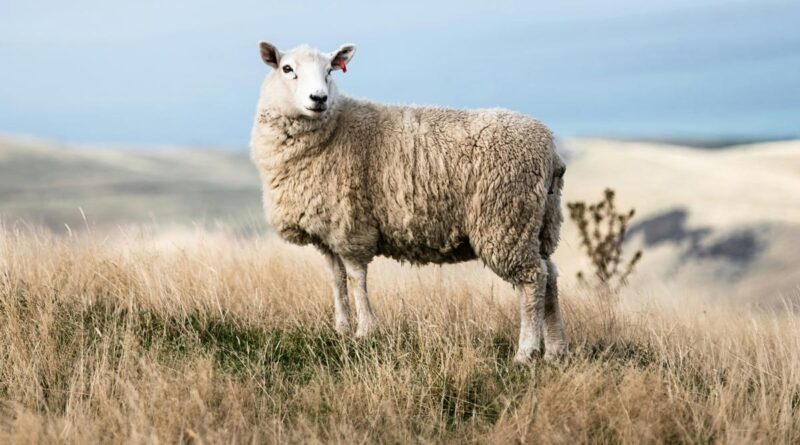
[
  {"x": 357, "y": 272},
  {"x": 555, "y": 344},
  {"x": 531, "y": 311},
  {"x": 341, "y": 303}
]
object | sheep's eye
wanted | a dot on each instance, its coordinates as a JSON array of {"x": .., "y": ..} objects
[{"x": 287, "y": 69}]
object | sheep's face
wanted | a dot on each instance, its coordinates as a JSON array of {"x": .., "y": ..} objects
[{"x": 301, "y": 83}]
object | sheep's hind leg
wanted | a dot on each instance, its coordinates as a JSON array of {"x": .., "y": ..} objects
[
  {"x": 357, "y": 272},
  {"x": 341, "y": 303},
  {"x": 555, "y": 344},
  {"x": 531, "y": 311}
]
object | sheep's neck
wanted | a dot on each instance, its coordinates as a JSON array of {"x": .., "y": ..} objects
[{"x": 285, "y": 139}]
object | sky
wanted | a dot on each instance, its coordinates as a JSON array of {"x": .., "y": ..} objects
[{"x": 188, "y": 72}]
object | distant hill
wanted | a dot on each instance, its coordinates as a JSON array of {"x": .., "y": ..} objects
[
  {"x": 725, "y": 223},
  {"x": 47, "y": 183},
  {"x": 710, "y": 143}
]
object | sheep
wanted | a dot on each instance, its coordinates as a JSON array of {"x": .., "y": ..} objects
[{"x": 359, "y": 179}]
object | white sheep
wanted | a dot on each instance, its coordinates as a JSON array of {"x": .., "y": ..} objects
[{"x": 421, "y": 184}]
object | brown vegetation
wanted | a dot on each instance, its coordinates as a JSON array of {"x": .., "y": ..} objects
[
  {"x": 216, "y": 338},
  {"x": 601, "y": 228}
]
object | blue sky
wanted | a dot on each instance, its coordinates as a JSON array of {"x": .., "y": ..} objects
[{"x": 188, "y": 72}]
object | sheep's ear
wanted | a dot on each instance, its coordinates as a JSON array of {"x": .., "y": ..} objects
[
  {"x": 341, "y": 57},
  {"x": 269, "y": 54}
]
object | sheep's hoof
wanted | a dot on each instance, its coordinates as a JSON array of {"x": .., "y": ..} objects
[
  {"x": 363, "y": 332},
  {"x": 343, "y": 327},
  {"x": 365, "y": 328},
  {"x": 526, "y": 356},
  {"x": 555, "y": 352}
]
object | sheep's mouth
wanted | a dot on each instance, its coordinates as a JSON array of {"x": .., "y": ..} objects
[{"x": 317, "y": 109}]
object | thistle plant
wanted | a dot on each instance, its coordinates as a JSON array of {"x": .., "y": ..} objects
[{"x": 602, "y": 229}]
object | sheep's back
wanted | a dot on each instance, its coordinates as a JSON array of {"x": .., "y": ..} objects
[{"x": 431, "y": 174}]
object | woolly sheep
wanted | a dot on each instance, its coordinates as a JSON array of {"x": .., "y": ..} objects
[{"x": 358, "y": 179}]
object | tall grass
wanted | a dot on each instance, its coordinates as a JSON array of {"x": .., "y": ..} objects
[{"x": 213, "y": 338}]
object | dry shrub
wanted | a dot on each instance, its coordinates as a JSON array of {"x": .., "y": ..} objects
[{"x": 602, "y": 231}]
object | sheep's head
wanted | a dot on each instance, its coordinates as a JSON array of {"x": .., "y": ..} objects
[{"x": 300, "y": 83}]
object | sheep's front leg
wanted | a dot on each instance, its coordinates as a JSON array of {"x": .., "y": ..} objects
[
  {"x": 531, "y": 312},
  {"x": 357, "y": 272},
  {"x": 341, "y": 303}
]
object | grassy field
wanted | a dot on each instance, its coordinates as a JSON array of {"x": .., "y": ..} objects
[{"x": 212, "y": 338}]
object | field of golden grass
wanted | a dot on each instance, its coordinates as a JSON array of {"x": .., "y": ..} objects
[{"x": 210, "y": 337}]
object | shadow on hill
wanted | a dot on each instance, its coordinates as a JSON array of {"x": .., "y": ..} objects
[{"x": 740, "y": 248}]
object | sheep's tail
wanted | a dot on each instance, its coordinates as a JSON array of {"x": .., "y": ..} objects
[{"x": 551, "y": 224}]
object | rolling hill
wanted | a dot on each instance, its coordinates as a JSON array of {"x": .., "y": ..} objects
[
  {"x": 725, "y": 223},
  {"x": 49, "y": 184}
]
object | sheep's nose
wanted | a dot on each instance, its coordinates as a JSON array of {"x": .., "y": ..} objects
[{"x": 318, "y": 99}]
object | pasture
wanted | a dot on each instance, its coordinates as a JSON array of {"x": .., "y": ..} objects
[{"x": 214, "y": 336}]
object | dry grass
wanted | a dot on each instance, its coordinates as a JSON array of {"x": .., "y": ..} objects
[{"x": 214, "y": 338}]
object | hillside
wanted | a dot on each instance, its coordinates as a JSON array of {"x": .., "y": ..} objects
[
  {"x": 721, "y": 223},
  {"x": 48, "y": 184}
]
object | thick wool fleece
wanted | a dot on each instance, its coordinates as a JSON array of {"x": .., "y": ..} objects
[{"x": 418, "y": 184}]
